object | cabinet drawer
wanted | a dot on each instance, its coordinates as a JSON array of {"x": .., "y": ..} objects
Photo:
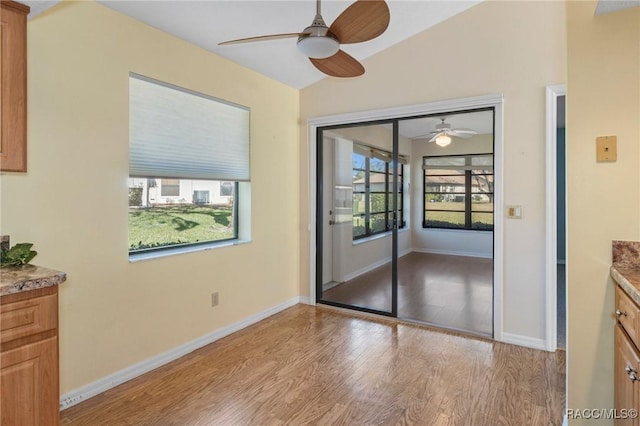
[
  {"x": 628, "y": 313},
  {"x": 28, "y": 317}
]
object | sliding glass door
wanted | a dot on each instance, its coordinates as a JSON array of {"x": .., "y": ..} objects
[
  {"x": 358, "y": 216},
  {"x": 405, "y": 214}
]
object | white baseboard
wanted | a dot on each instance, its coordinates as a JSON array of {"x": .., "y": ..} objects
[
  {"x": 92, "y": 389},
  {"x": 455, "y": 253},
  {"x": 304, "y": 300},
  {"x": 527, "y": 342},
  {"x": 373, "y": 266}
]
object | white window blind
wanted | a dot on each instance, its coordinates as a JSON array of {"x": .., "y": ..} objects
[
  {"x": 177, "y": 133},
  {"x": 460, "y": 162}
]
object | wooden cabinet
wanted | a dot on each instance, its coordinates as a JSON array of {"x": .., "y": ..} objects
[
  {"x": 626, "y": 359},
  {"x": 29, "y": 358},
  {"x": 13, "y": 87}
]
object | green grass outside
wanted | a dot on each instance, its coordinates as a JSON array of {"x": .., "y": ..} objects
[
  {"x": 444, "y": 218},
  {"x": 167, "y": 225}
]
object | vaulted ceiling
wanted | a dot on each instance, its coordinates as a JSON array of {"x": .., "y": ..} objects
[{"x": 207, "y": 23}]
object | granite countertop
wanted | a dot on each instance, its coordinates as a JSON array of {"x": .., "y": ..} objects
[
  {"x": 17, "y": 279},
  {"x": 626, "y": 267}
]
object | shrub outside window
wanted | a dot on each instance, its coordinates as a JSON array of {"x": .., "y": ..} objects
[{"x": 373, "y": 193}]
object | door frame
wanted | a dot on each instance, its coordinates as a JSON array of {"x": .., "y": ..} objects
[
  {"x": 435, "y": 107},
  {"x": 552, "y": 94}
]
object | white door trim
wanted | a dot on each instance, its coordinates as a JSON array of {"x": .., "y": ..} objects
[
  {"x": 553, "y": 92},
  {"x": 492, "y": 100}
]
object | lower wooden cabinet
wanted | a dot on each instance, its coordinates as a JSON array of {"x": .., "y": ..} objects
[
  {"x": 29, "y": 378},
  {"x": 29, "y": 384},
  {"x": 626, "y": 376}
]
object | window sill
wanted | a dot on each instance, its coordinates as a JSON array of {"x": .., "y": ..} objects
[
  {"x": 137, "y": 257},
  {"x": 456, "y": 230},
  {"x": 377, "y": 237}
]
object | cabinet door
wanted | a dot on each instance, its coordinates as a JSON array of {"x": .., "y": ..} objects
[
  {"x": 627, "y": 391},
  {"x": 13, "y": 87},
  {"x": 29, "y": 385}
]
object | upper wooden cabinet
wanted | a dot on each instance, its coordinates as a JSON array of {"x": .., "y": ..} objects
[{"x": 13, "y": 87}]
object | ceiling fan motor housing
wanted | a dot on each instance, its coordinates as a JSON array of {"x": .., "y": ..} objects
[
  {"x": 317, "y": 41},
  {"x": 443, "y": 126}
]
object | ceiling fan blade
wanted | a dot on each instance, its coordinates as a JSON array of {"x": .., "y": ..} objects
[
  {"x": 261, "y": 38},
  {"x": 363, "y": 20},
  {"x": 467, "y": 131},
  {"x": 339, "y": 65},
  {"x": 426, "y": 135},
  {"x": 457, "y": 134},
  {"x": 433, "y": 139}
]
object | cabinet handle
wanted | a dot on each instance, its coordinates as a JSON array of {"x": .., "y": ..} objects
[
  {"x": 620, "y": 313},
  {"x": 632, "y": 373}
]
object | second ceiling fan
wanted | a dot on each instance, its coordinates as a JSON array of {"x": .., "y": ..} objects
[
  {"x": 443, "y": 133},
  {"x": 362, "y": 21}
]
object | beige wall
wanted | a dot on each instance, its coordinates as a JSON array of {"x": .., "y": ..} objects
[
  {"x": 603, "y": 98},
  {"x": 73, "y": 201},
  {"x": 515, "y": 48}
]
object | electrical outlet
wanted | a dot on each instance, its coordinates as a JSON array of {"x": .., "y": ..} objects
[
  {"x": 514, "y": 212},
  {"x": 214, "y": 299}
]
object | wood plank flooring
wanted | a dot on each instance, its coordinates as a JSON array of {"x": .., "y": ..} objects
[
  {"x": 449, "y": 291},
  {"x": 313, "y": 365}
]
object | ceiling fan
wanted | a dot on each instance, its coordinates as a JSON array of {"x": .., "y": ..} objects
[
  {"x": 361, "y": 21},
  {"x": 443, "y": 133}
]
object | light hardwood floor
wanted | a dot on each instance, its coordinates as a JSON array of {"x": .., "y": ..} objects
[
  {"x": 448, "y": 291},
  {"x": 313, "y": 365}
]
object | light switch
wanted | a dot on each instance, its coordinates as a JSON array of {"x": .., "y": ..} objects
[
  {"x": 606, "y": 149},
  {"x": 514, "y": 212}
]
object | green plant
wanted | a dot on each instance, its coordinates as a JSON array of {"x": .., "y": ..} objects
[
  {"x": 20, "y": 254},
  {"x": 135, "y": 196}
]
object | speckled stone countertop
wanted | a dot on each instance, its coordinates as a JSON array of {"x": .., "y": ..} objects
[
  {"x": 626, "y": 267},
  {"x": 28, "y": 277}
]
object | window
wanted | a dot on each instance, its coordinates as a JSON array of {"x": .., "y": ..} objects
[
  {"x": 200, "y": 197},
  {"x": 170, "y": 187},
  {"x": 226, "y": 189},
  {"x": 185, "y": 148},
  {"x": 373, "y": 192},
  {"x": 458, "y": 192}
]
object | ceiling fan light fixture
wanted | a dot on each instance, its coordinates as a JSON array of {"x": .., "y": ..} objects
[
  {"x": 443, "y": 140},
  {"x": 318, "y": 47}
]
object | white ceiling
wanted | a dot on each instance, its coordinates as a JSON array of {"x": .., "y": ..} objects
[
  {"x": 207, "y": 23},
  {"x": 479, "y": 121}
]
